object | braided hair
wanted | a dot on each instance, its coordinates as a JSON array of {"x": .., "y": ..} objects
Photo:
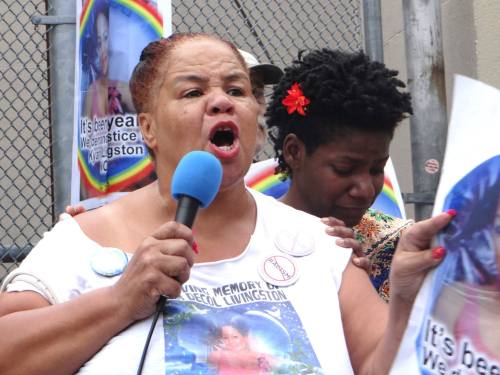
[{"x": 347, "y": 91}]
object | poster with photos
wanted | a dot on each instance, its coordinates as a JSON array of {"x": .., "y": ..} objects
[
  {"x": 454, "y": 325},
  {"x": 109, "y": 155}
]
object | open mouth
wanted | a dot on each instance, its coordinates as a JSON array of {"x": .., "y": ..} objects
[{"x": 223, "y": 138}]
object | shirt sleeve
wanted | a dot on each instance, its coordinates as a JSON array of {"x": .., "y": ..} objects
[
  {"x": 53, "y": 267},
  {"x": 339, "y": 259},
  {"x": 336, "y": 258}
]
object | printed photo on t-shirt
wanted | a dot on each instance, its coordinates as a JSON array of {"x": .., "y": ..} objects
[{"x": 239, "y": 329}]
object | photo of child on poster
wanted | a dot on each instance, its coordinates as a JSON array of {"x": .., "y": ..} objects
[{"x": 110, "y": 152}]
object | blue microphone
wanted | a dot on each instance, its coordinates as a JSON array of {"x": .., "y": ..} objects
[{"x": 195, "y": 183}]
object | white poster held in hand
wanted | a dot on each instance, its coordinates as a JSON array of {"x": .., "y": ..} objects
[{"x": 454, "y": 325}]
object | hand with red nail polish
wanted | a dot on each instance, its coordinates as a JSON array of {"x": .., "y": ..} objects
[
  {"x": 194, "y": 245},
  {"x": 438, "y": 252},
  {"x": 452, "y": 212},
  {"x": 161, "y": 264}
]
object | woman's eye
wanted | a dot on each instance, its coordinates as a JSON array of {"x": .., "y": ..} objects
[
  {"x": 193, "y": 94},
  {"x": 377, "y": 171},
  {"x": 235, "y": 91},
  {"x": 342, "y": 171}
]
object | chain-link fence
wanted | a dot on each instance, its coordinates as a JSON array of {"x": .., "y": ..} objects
[
  {"x": 273, "y": 30},
  {"x": 25, "y": 162}
]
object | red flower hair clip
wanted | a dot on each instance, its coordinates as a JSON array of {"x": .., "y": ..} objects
[{"x": 295, "y": 100}]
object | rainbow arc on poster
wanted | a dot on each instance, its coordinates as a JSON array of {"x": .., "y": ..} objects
[{"x": 126, "y": 176}]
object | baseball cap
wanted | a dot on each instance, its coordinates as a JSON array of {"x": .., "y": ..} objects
[{"x": 270, "y": 73}]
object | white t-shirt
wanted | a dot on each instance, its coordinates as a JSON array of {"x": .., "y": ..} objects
[{"x": 229, "y": 319}]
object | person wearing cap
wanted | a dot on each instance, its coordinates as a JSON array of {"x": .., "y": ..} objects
[{"x": 261, "y": 75}]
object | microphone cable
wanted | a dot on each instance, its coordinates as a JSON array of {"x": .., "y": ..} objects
[{"x": 159, "y": 307}]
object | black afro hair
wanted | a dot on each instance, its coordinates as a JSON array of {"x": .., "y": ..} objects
[{"x": 347, "y": 91}]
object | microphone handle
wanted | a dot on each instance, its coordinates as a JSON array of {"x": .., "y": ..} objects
[{"x": 187, "y": 207}]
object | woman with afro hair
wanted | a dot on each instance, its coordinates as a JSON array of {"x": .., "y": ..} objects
[{"x": 331, "y": 120}]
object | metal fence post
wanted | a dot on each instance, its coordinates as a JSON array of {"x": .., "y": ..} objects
[
  {"x": 62, "y": 74},
  {"x": 424, "y": 58},
  {"x": 372, "y": 22}
]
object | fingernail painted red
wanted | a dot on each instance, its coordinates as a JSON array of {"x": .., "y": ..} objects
[
  {"x": 195, "y": 247},
  {"x": 451, "y": 212},
  {"x": 438, "y": 252}
]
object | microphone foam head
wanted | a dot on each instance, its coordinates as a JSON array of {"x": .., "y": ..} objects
[{"x": 198, "y": 175}]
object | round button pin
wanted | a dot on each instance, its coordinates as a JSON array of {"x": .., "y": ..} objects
[
  {"x": 304, "y": 245},
  {"x": 295, "y": 244},
  {"x": 109, "y": 262},
  {"x": 279, "y": 270},
  {"x": 284, "y": 240}
]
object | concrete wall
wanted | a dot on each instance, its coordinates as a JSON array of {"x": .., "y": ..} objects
[
  {"x": 486, "y": 16},
  {"x": 471, "y": 33}
]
